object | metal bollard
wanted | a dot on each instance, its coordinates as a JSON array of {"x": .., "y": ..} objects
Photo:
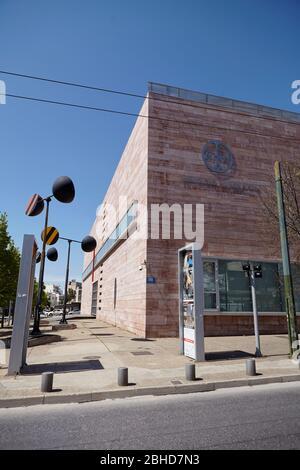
[
  {"x": 47, "y": 382},
  {"x": 250, "y": 367},
  {"x": 190, "y": 372},
  {"x": 123, "y": 376}
]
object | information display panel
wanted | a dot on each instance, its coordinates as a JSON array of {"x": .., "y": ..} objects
[{"x": 191, "y": 302}]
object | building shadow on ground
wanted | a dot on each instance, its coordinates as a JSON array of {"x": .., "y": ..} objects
[
  {"x": 97, "y": 327},
  {"x": 223, "y": 355},
  {"x": 102, "y": 334},
  {"x": 142, "y": 339},
  {"x": 62, "y": 367}
]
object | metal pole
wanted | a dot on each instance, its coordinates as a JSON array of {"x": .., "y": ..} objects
[
  {"x": 255, "y": 314},
  {"x": 36, "y": 323},
  {"x": 10, "y": 312},
  {"x": 180, "y": 284},
  {"x": 63, "y": 320},
  {"x": 285, "y": 253}
]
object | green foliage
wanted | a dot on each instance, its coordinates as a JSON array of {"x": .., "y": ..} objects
[
  {"x": 9, "y": 264},
  {"x": 45, "y": 301},
  {"x": 71, "y": 295}
]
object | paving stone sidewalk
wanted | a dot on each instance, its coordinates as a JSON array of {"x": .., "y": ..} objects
[{"x": 86, "y": 360}]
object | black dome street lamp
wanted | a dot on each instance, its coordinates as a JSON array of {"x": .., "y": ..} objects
[
  {"x": 52, "y": 254},
  {"x": 87, "y": 244},
  {"x": 63, "y": 190}
]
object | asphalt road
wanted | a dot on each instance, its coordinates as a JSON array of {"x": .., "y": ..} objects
[{"x": 261, "y": 417}]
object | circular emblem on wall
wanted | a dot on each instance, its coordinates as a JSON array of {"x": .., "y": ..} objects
[{"x": 218, "y": 157}]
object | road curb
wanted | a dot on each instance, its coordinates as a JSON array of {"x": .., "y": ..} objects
[{"x": 134, "y": 391}]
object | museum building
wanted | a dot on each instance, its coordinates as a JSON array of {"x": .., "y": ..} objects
[{"x": 188, "y": 147}]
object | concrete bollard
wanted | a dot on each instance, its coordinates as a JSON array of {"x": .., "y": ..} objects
[
  {"x": 250, "y": 367},
  {"x": 190, "y": 372},
  {"x": 123, "y": 376},
  {"x": 47, "y": 382}
]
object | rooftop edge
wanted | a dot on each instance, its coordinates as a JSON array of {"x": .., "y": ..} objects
[{"x": 243, "y": 106}]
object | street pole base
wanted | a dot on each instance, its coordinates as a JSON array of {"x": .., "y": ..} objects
[
  {"x": 35, "y": 332},
  {"x": 258, "y": 353}
]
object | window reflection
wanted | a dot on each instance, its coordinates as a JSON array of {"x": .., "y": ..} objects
[
  {"x": 268, "y": 289},
  {"x": 235, "y": 294},
  {"x": 209, "y": 281},
  {"x": 230, "y": 291}
]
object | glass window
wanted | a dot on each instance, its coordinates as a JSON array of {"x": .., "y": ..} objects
[
  {"x": 94, "y": 298},
  {"x": 235, "y": 295},
  {"x": 113, "y": 238},
  {"x": 268, "y": 289},
  {"x": 209, "y": 281}
]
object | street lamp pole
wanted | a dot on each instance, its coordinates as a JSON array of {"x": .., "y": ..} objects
[
  {"x": 63, "y": 320},
  {"x": 88, "y": 244},
  {"x": 63, "y": 190},
  {"x": 286, "y": 264},
  {"x": 36, "y": 322}
]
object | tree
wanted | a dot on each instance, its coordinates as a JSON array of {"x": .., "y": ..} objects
[
  {"x": 291, "y": 190},
  {"x": 9, "y": 264},
  {"x": 71, "y": 295},
  {"x": 45, "y": 300}
]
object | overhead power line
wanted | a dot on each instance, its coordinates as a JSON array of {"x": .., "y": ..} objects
[
  {"x": 135, "y": 95},
  {"x": 78, "y": 85},
  {"x": 155, "y": 118}
]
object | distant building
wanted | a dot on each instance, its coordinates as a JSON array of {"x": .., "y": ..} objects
[
  {"x": 54, "y": 294},
  {"x": 77, "y": 288}
]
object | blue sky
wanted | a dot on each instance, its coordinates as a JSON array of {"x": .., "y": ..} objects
[{"x": 244, "y": 49}]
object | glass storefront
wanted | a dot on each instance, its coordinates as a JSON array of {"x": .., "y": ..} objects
[
  {"x": 269, "y": 292},
  {"x": 227, "y": 288},
  {"x": 210, "y": 289},
  {"x": 235, "y": 295}
]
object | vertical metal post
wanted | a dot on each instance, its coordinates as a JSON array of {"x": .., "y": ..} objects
[
  {"x": 36, "y": 323},
  {"x": 198, "y": 288},
  {"x": 63, "y": 320},
  {"x": 10, "y": 309},
  {"x": 255, "y": 314},
  {"x": 288, "y": 282},
  {"x": 180, "y": 284},
  {"x": 23, "y": 306}
]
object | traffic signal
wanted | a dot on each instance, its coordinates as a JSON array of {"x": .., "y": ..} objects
[
  {"x": 246, "y": 267},
  {"x": 257, "y": 270}
]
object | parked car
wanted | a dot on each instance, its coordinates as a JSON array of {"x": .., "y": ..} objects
[
  {"x": 58, "y": 311},
  {"x": 46, "y": 313},
  {"x": 74, "y": 312}
]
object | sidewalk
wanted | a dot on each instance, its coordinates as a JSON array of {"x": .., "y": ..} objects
[{"x": 86, "y": 359}]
